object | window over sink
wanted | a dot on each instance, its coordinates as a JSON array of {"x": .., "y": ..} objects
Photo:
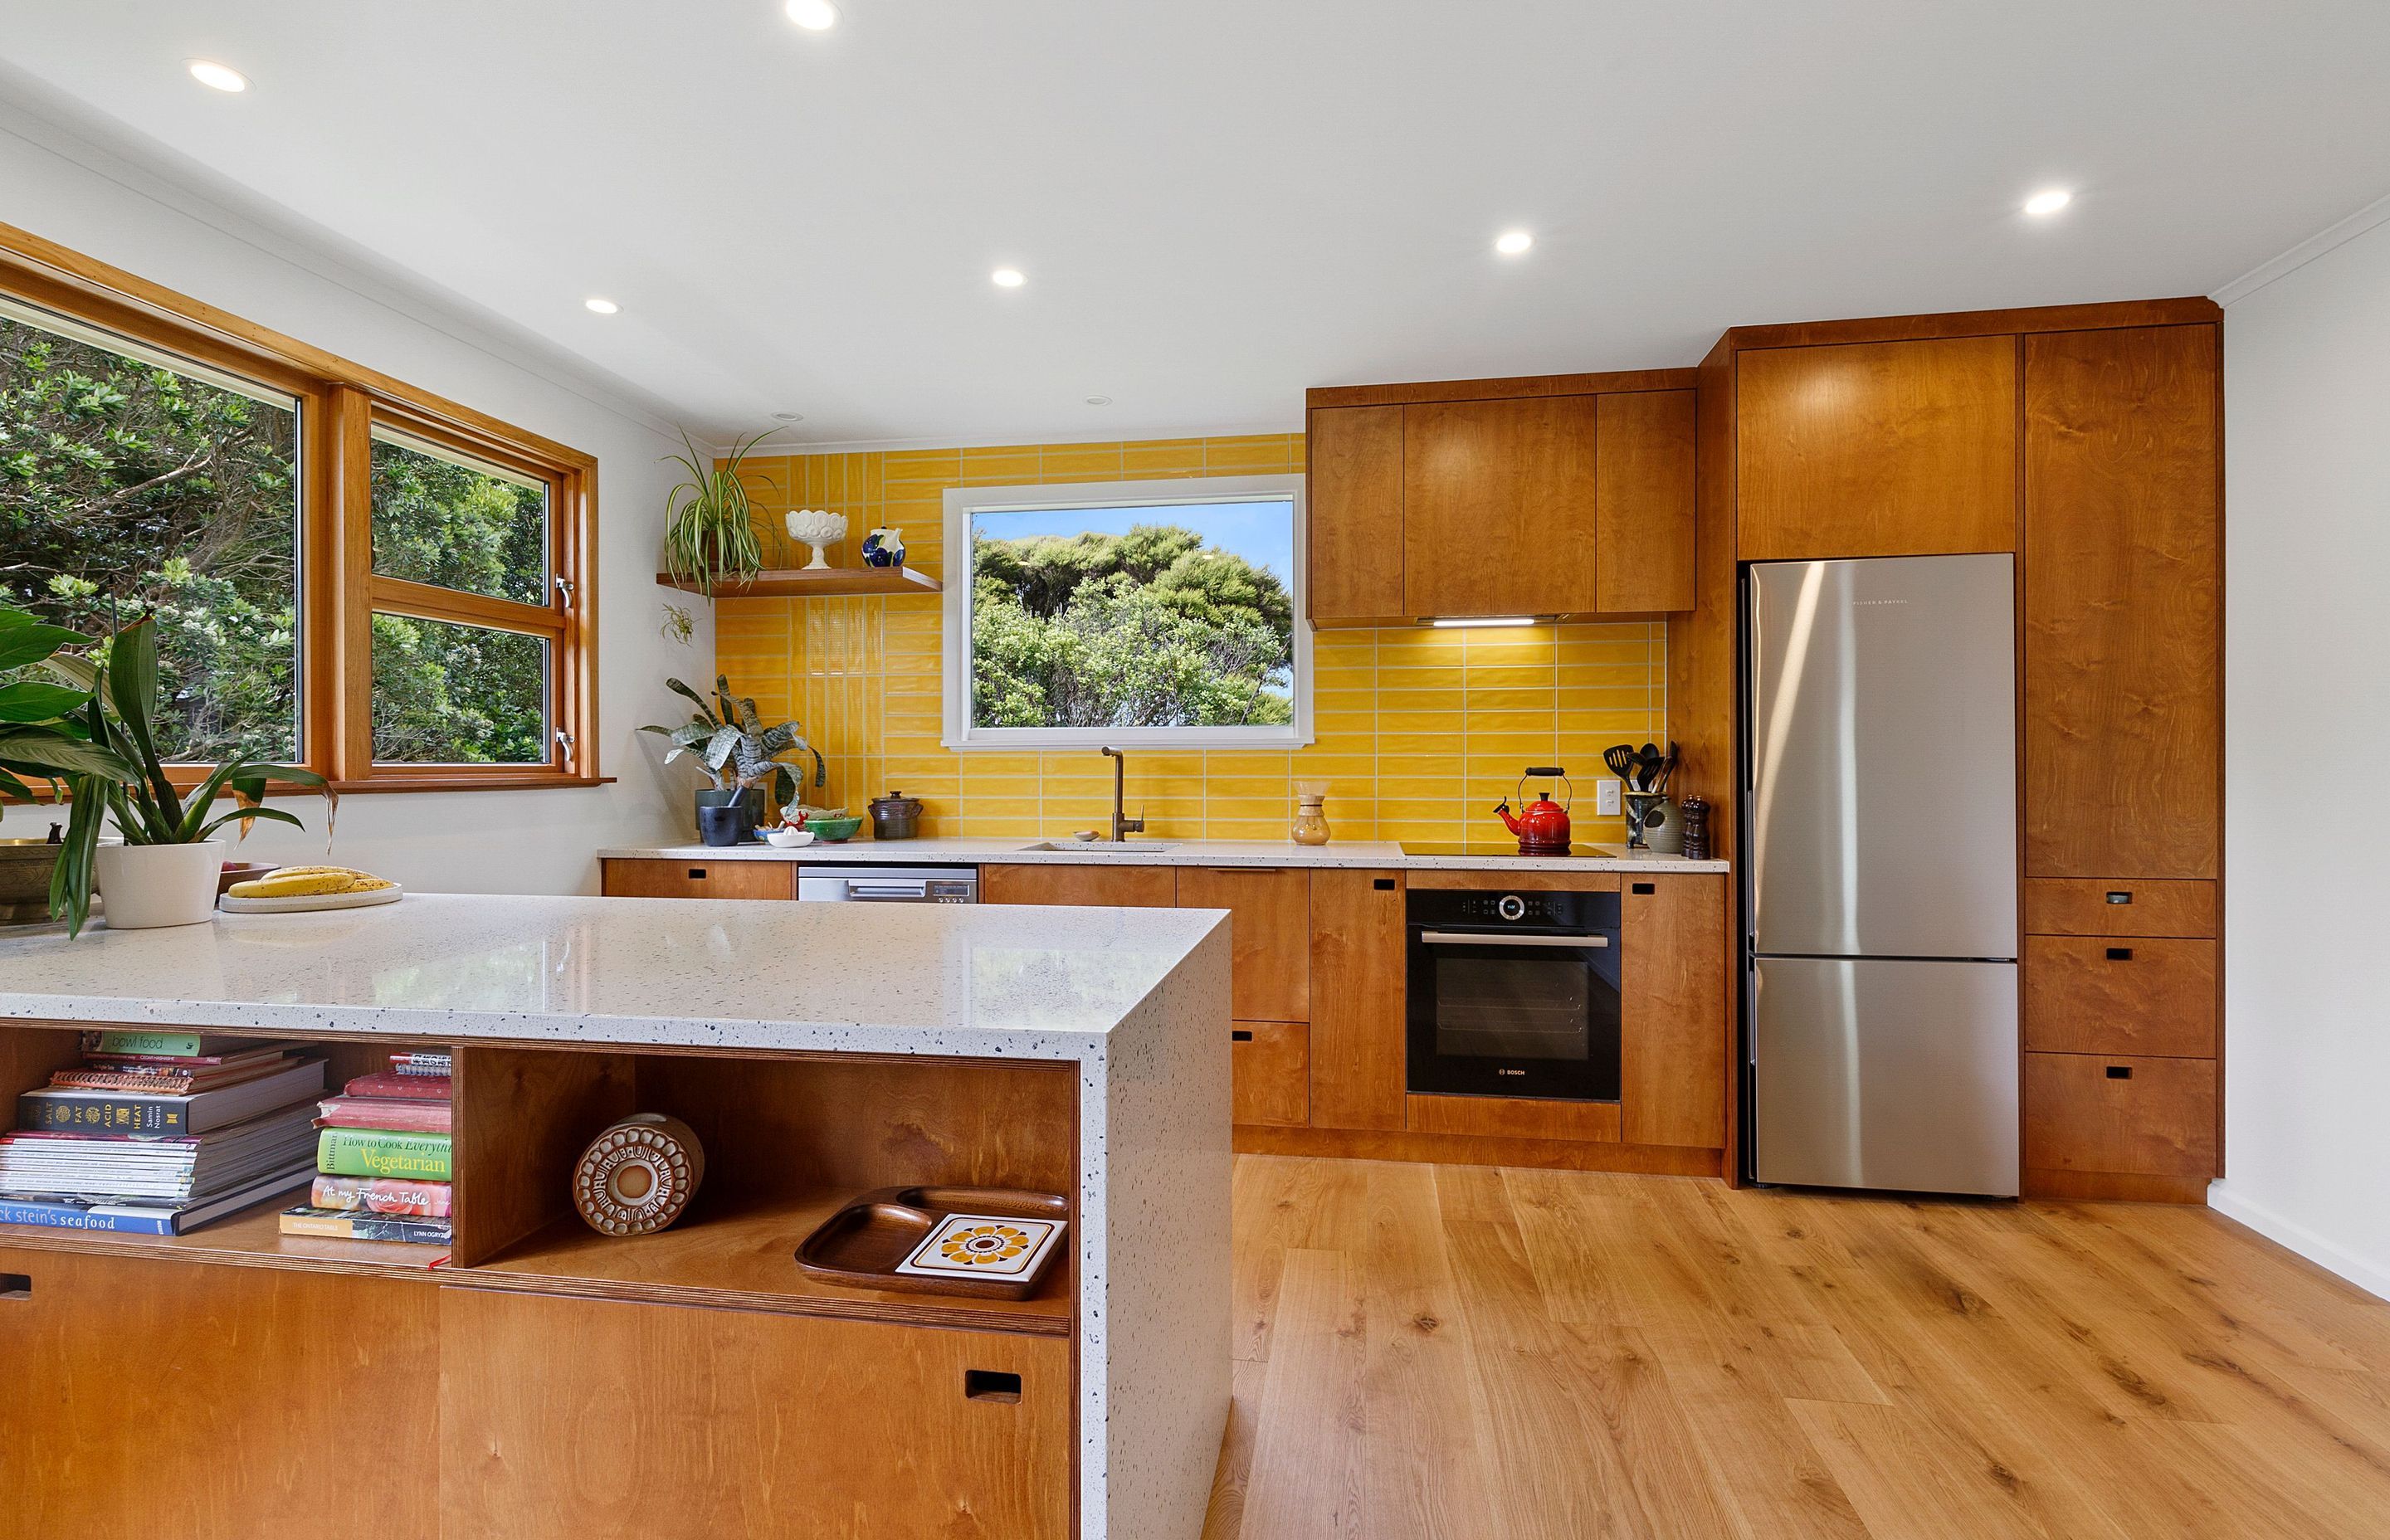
[{"x": 1132, "y": 613}]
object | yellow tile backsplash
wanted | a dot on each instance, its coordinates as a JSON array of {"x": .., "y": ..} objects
[{"x": 1418, "y": 732}]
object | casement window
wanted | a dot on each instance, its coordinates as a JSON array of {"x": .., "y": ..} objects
[
  {"x": 347, "y": 572},
  {"x": 1154, "y": 613}
]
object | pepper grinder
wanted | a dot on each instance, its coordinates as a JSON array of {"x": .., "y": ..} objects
[{"x": 1696, "y": 815}]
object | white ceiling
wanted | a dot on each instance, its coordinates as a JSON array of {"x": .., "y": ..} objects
[{"x": 1220, "y": 202}]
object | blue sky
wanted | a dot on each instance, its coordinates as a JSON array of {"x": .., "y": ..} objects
[{"x": 1262, "y": 531}]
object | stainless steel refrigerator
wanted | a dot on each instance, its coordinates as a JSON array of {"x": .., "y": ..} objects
[{"x": 1882, "y": 872}]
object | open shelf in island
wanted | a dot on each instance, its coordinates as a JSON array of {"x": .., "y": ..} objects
[{"x": 739, "y": 1254}]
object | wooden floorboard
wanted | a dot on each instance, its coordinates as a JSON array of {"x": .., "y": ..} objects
[{"x": 1459, "y": 1353}]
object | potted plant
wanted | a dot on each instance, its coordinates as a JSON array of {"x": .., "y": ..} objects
[
  {"x": 40, "y": 741},
  {"x": 742, "y": 755},
  {"x": 709, "y": 528},
  {"x": 164, "y": 872}
]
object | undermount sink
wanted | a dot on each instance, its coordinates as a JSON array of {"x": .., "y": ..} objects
[{"x": 1107, "y": 847}]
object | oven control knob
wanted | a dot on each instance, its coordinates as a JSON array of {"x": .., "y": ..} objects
[{"x": 1512, "y": 907}]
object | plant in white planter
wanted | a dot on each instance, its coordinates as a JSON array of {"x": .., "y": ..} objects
[{"x": 165, "y": 871}]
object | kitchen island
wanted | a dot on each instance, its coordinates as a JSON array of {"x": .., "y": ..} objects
[{"x": 541, "y": 1379}]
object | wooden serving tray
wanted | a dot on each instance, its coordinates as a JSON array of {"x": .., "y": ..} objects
[{"x": 861, "y": 1244}]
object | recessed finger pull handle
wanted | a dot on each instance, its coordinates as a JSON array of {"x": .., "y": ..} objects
[
  {"x": 1239, "y": 1035},
  {"x": 991, "y": 1385},
  {"x": 1647, "y": 887},
  {"x": 16, "y": 1286},
  {"x": 2120, "y": 954},
  {"x": 2119, "y": 895},
  {"x": 697, "y": 872},
  {"x": 2120, "y": 1071}
]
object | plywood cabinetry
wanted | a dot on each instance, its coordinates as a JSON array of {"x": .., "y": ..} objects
[
  {"x": 1122, "y": 887},
  {"x": 1271, "y": 1065},
  {"x": 1497, "y": 500},
  {"x": 1893, "y": 448},
  {"x": 1354, "y": 515},
  {"x": 1672, "y": 1084},
  {"x": 2118, "y": 1115},
  {"x": 216, "y": 1403},
  {"x": 1569, "y": 495},
  {"x": 2120, "y": 994},
  {"x": 698, "y": 878},
  {"x": 574, "y": 1418},
  {"x": 2123, "y": 623},
  {"x": 1269, "y": 910},
  {"x": 1358, "y": 999}
]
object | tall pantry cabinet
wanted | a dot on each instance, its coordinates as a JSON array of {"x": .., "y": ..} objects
[{"x": 2087, "y": 440}]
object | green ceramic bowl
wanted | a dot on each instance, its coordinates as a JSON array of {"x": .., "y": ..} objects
[{"x": 834, "y": 829}]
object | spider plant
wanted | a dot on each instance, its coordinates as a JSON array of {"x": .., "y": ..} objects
[
  {"x": 737, "y": 750},
  {"x": 710, "y": 529},
  {"x": 132, "y": 786}
]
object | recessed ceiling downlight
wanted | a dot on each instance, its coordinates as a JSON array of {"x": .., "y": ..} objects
[
  {"x": 1007, "y": 278},
  {"x": 2041, "y": 205},
  {"x": 601, "y": 307},
  {"x": 1099, "y": 401},
  {"x": 1512, "y": 242},
  {"x": 789, "y": 417},
  {"x": 814, "y": 16},
  {"x": 220, "y": 77}
]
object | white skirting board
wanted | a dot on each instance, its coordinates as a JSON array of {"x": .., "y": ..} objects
[{"x": 2373, "y": 1279}]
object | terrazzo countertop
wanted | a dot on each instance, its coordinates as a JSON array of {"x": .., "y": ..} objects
[
  {"x": 979, "y": 980},
  {"x": 1378, "y": 856}
]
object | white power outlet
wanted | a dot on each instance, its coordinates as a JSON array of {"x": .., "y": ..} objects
[{"x": 1605, "y": 798}]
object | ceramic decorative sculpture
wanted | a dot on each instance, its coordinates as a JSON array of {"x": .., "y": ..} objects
[
  {"x": 817, "y": 528},
  {"x": 884, "y": 547},
  {"x": 638, "y": 1175}
]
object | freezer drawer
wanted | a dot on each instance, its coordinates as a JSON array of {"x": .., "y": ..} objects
[
  {"x": 1896, "y": 1075},
  {"x": 1883, "y": 745}
]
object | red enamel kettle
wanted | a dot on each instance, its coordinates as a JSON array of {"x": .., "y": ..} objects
[{"x": 1542, "y": 826}]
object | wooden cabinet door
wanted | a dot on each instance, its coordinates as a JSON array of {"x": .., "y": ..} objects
[
  {"x": 698, "y": 878},
  {"x": 1271, "y": 1065},
  {"x": 1269, "y": 910},
  {"x": 2144, "y": 1116},
  {"x": 564, "y": 1418},
  {"x": 149, "y": 1397},
  {"x": 2127, "y": 994},
  {"x": 1118, "y": 887},
  {"x": 1671, "y": 1010},
  {"x": 1357, "y": 973},
  {"x": 1353, "y": 513},
  {"x": 1498, "y": 506},
  {"x": 1877, "y": 449},
  {"x": 1643, "y": 502},
  {"x": 2122, "y": 549}
]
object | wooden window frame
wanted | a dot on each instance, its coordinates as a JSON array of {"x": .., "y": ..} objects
[{"x": 340, "y": 403}]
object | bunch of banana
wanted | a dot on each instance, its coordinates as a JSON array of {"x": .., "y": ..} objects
[{"x": 308, "y": 882}]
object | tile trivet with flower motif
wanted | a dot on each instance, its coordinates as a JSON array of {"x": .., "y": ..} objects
[{"x": 983, "y": 1245}]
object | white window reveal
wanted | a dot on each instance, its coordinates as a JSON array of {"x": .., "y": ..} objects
[{"x": 1152, "y": 613}]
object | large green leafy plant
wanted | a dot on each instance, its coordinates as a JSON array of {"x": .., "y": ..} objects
[
  {"x": 41, "y": 739},
  {"x": 710, "y": 527},
  {"x": 130, "y": 785},
  {"x": 734, "y": 747}
]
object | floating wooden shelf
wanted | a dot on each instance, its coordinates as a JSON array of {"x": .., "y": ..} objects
[{"x": 798, "y": 583}]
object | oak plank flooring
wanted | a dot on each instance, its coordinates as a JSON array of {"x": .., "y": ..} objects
[{"x": 1477, "y": 1354}]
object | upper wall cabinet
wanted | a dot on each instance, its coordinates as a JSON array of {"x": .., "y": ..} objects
[
  {"x": 1498, "y": 506},
  {"x": 2123, "y": 611},
  {"x": 1551, "y": 496},
  {"x": 1877, "y": 449}
]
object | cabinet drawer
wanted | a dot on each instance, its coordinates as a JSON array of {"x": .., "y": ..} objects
[
  {"x": 566, "y": 1419},
  {"x": 700, "y": 878},
  {"x": 2087, "y": 907},
  {"x": 2152, "y": 1117},
  {"x": 1514, "y": 1117},
  {"x": 1271, "y": 1064},
  {"x": 2120, "y": 994},
  {"x": 1270, "y": 916}
]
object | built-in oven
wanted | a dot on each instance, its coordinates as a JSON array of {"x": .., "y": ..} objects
[{"x": 1513, "y": 994}]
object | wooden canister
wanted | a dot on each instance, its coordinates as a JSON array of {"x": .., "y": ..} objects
[{"x": 638, "y": 1175}]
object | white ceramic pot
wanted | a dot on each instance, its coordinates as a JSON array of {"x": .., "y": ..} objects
[{"x": 146, "y": 886}]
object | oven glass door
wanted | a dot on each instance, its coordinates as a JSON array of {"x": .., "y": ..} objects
[{"x": 1514, "y": 1015}]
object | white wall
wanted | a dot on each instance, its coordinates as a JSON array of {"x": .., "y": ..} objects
[
  {"x": 2308, "y": 760},
  {"x": 509, "y": 842}
]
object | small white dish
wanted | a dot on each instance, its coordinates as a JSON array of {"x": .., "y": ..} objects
[{"x": 788, "y": 838}]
